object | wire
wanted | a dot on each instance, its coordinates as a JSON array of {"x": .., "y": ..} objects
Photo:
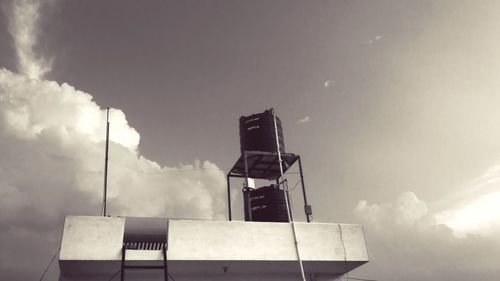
[
  {"x": 179, "y": 170},
  {"x": 171, "y": 277},
  {"x": 285, "y": 192},
  {"x": 114, "y": 275},
  {"x": 294, "y": 186},
  {"x": 345, "y": 253},
  {"x": 166, "y": 172},
  {"x": 102, "y": 209},
  {"x": 48, "y": 266},
  {"x": 206, "y": 170},
  {"x": 53, "y": 257}
]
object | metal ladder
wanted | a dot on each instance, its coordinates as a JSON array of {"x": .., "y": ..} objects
[{"x": 141, "y": 245}]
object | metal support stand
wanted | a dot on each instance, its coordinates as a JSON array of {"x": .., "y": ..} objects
[
  {"x": 270, "y": 166},
  {"x": 244, "y": 168}
]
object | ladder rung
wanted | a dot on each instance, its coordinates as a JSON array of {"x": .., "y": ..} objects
[{"x": 144, "y": 267}]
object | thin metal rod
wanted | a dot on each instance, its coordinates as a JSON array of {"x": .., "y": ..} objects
[
  {"x": 122, "y": 271},
  {"x": 229, "y": 196},
  {"x": 303, "y": 190},
  {"x": 246, "y": 167},
  {"x": 285, "y": 191},
  {"x": 246, "y": 196},
  {"x": 106, "y": 163},
  {"x": 165, "y": 265}
]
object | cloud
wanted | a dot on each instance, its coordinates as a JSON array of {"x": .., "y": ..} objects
[
  {"x": 52, "y": 158},
  {"x": 407, "y": 209},
  {"x": 375, "y": 39},
  {"x": 475, "y": 208},
  {"x": 480, "y": 215},
  {"x": 405, "y": 243},
  {"x": 304, "y": 120},
  {"x": 24, "y": 29},
  {"x": 51, "y": 165}
]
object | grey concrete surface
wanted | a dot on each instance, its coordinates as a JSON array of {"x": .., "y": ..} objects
[{"x": 211, "y": 250}]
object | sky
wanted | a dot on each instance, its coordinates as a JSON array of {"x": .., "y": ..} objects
[{"x": 392, "y": 105}]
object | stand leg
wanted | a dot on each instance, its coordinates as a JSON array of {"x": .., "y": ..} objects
[
  {"x": 122, "y": 273},
  {"x": 229, "y": 196},
  {"x": 307, "y": 208},
  {"x": 165, "y": 262}
]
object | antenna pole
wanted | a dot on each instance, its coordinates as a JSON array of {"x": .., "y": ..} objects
[{"x": 106, "y": 163}]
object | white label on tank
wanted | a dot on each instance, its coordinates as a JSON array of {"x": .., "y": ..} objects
[
  {"x": 257, "y": 197},
  {"x": 253, "y": 128},
  {"x": 253, "y": 119}
]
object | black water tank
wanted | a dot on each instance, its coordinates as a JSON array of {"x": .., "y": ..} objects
[
  {"x": 257, "y": 133},
  {"x": 265, "y": 204}
]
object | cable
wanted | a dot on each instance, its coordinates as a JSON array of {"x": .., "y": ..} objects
[
  {"x": 48, "y": 266},
  {"x": 165, "y": 251},
  {"x": 114, "y": 275},
  {"x": 285, "y": 191},
  {"x": 294, "y": 186},
  {"x": 345, "y": 252},
  {"x": 165, "y": 172},
  {"x": 206, "y": 170},
  {"x": 171, "y": 277},
  {"x": 180, "y": 170},
  {"x": 102, "y": 209},
  {"x": 61, "y": 228}
]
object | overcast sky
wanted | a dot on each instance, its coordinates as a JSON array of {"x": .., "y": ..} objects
[{"x": 393, "y": 106}]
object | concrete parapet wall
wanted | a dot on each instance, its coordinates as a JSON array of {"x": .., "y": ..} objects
[{"x": 206, "y": 250}]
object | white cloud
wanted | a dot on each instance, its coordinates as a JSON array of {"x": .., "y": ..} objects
[
  {"x": 481, "y": 215},
  {"x": 51, "y": 161},
  {"x": 24, "y": 30},
  {"x": 30, "y": 107},
  {"x": 375, "y": 39},
  {"x": 405, "y": 243},
  {"x": 475, "y": 208},
  {"x": 329, "y": 83},
  {"x": 51, "y": 165},
  {"x": 304, "y": 120},
  {"x": 407, "y": 209}
]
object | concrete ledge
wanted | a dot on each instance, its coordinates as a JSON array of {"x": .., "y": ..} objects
[{"x": 92, "y": 246}]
